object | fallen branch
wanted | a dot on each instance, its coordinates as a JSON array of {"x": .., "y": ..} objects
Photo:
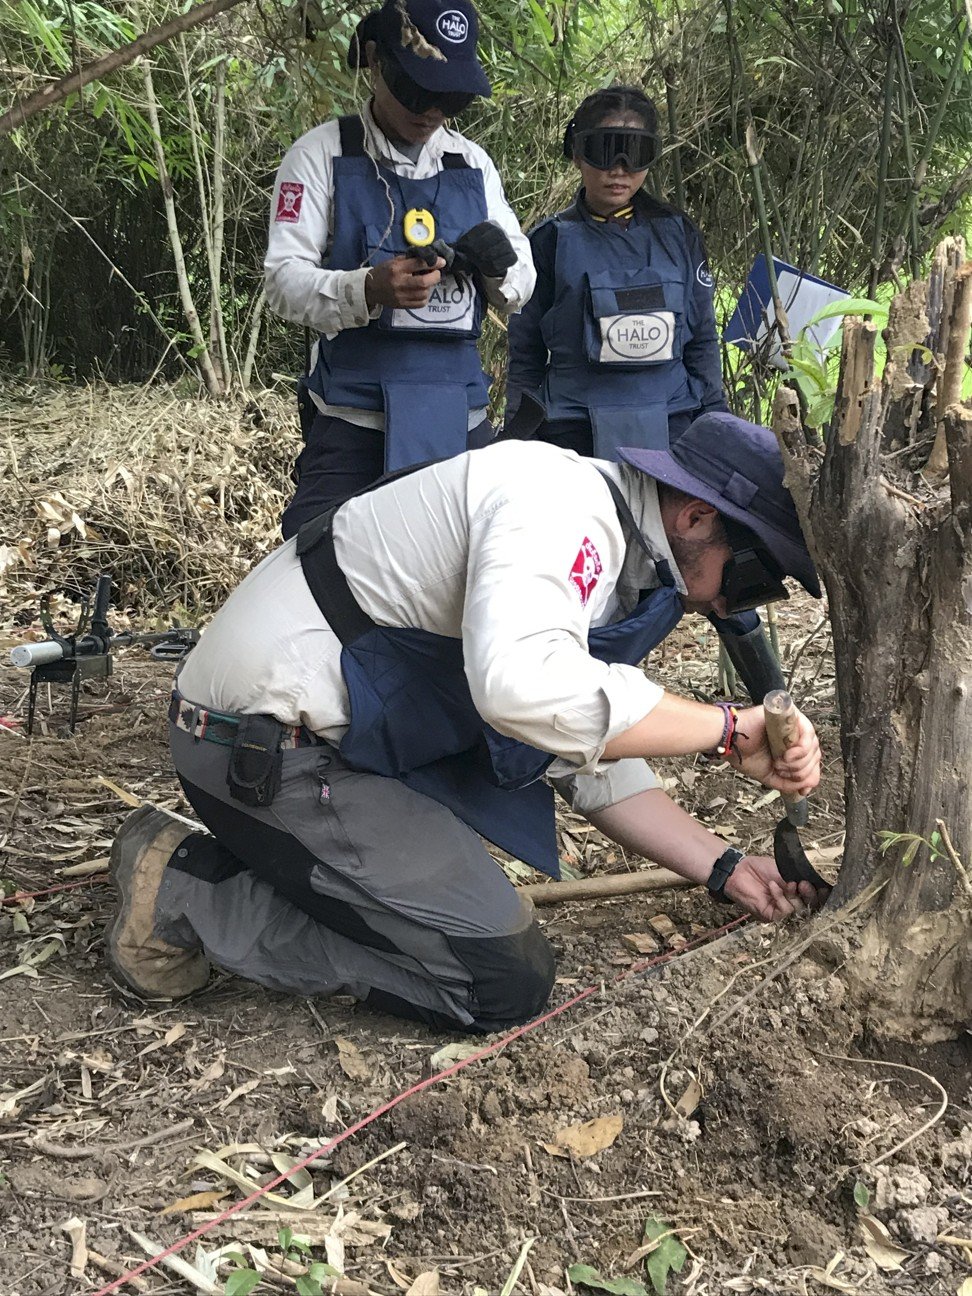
[
  {"x": 80, "y": 77},
  {"x": 544, "y": 893}
]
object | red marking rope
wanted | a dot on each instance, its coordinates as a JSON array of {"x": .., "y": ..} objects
[
  {"x": 64, "y": 886},
  {"x": 408, "y": 1093}
]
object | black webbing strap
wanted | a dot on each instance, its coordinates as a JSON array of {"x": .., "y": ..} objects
[
  {"x": 328, "y": 583},
  {"x": 325, "y": 579},
  {"x": 351, "y": 129},
  {"x": 627, "y": 517},
  {"x": 352, "y": 133}
]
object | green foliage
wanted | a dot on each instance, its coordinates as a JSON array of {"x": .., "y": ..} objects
[
  {"x": 808, "y": 79},
  {"x": 588, "y": 1277},
  {"x": 243, "y": 1279},
  {"x": 814, "y": 365},
  {"x": 912, "y": 843},
  {"x": 668, "y": 1256},
  {"x": 241, "y": 1282},
  {"x": 665, "y": 1255},
  {"x": 862, "y": 1195}
]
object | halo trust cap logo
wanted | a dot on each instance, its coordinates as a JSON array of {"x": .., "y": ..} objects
[{"x": 453, "y": 26}]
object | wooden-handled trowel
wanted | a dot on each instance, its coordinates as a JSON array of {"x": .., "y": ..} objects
[{"x": 791, "y": 858}]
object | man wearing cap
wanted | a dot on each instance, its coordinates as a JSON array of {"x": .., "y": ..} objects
[
  {"x": 408, "y": 676},
  {"x": 389, "y": 235}
]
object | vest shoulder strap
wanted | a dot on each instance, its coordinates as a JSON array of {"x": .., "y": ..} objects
[
  {"x": 454, "y": 162},
  {"x": 327, "y": 582},
  {"x": 628, "y": 523},
  {"x": 351, "y": 129},
  {"x": 325, "y": 579}
]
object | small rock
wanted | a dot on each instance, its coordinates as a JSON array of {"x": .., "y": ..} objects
[
  {"x": 649, "y": 1035},
  {"x": 689, "y": 1131},
  {"x": 88, "y": 1189},
  {"x": 933, "y": 1262},
  {"x": 906, "y": 1186},
  {"x": 923, "y": 1223},
  {"x": 959, "y": 1152}
]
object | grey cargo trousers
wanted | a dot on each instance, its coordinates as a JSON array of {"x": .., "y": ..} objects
[{"x": 350, "y": 883}]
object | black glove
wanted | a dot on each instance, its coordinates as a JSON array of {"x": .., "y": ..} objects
[{"x": 485, "y": 248}]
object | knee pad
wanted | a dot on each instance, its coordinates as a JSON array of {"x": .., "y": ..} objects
[{"x": 512, "y": 976}]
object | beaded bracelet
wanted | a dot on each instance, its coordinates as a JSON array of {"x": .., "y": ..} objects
[{"x": 726, "y": 744}]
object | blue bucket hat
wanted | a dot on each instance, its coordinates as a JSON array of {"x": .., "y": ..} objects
[
  {"x": 439, "y": 54},
  {"x": 737, "y": 468}
]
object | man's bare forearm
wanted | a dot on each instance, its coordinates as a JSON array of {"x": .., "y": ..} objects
[
  {"x": 676, "y": 726},
  {"x": 652, "y": 825}
]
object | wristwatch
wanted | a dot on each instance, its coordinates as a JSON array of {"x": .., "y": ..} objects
[{"x": 722, "y": 871}]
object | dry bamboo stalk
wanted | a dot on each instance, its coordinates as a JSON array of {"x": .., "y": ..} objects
[{"x": 600, "y": 888}]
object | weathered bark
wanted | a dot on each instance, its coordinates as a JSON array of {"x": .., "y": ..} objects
[{"x": 896, "y": 557}]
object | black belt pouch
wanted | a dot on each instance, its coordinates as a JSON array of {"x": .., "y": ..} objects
[{"x": 255, "y": 764}]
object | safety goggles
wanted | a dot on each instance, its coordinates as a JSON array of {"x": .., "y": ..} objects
[
  {"x": 606, "y": 147},
  {"x": 751, "y": 577},
  {"x": 415, "y": 98}
]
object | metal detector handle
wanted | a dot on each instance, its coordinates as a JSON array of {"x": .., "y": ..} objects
[
  {"x": 27, "y": 656},
  {"x": 782, "y": 731},
  {"x": 99, "y": 611}
]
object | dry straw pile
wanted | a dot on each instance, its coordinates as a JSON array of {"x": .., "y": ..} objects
[{"x": 174, "y": 496}]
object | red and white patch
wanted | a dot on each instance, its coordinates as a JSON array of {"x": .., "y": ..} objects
[
  {"x": 586, "y": 569},
  {"x": 289, "y": 198}
]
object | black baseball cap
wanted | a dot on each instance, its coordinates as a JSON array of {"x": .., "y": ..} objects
[
  {"x": 737, "y": 468},
  {"x": 433, "y": 41}
]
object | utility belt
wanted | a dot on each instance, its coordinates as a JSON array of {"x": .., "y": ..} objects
[{"x": 257, "y": 741}]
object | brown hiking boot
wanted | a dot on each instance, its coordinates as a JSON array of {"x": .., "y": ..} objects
[{"x": 147, "y": 964}]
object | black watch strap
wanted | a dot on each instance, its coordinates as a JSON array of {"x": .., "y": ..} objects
[{"x": 722, "y": 871}]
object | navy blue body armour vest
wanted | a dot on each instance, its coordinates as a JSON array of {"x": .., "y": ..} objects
[
  {"x": 420, "y": 366},
  {"x": 617, "y": 329},
  {"x": 413, "y": 718}
]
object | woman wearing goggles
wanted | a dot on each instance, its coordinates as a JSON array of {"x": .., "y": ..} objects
[{"x": 618, "y": 345}]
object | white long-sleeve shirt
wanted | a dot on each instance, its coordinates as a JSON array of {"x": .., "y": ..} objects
[
  {"x": 302, "y": 221},
  {"x": 515, "y": 549}
]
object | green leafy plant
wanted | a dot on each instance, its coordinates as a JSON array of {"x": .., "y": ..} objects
[
  {"x": 588, "y": 1277},
  {"x": 663, "y": 1254},
  {"x": 912, "y": 843},
  {"x": 814, "y": 364},
  {"x": 667, "y": 1256},
  {"x": 295, "y": 1250}
]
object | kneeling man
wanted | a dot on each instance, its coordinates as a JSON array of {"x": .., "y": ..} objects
[{"x": 411, "y": 674}]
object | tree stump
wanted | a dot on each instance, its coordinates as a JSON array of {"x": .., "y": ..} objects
[{"x": 893, "y": 545}]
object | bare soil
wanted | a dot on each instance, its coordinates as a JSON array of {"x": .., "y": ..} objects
[{"x": 751, "y": 1102}]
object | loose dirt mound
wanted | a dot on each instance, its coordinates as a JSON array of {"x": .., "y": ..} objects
[{"x": 747, "y": 1110}]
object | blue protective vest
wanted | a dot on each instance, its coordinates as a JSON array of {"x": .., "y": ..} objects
[
  {"x": 616, "y": 331},
  {"x": 420, "y": 366},
  {"x": 413, "y": 718}
]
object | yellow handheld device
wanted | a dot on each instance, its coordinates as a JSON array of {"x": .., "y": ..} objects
[{"x": 419, "y": 227}]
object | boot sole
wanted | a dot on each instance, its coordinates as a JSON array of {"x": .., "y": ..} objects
[{"x": 121, "y": 865}]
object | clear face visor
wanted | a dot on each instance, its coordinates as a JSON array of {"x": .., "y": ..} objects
[
  {"x": 605, "y": 147},
  {"x": 751, "y": 577}
]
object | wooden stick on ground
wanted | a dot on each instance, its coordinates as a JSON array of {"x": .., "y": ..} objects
[{"x": 600, "y": 888}]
